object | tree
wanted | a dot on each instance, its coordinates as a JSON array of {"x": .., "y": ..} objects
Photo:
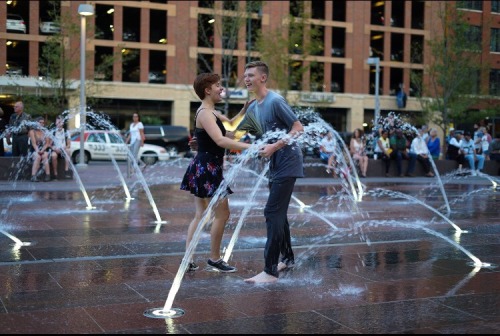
[
  {"x": 454, "y": 72},
  {"x": 225, "y": 26},
  {"x": 57, "y": 62},
  {"x": 288, "y": 49}
]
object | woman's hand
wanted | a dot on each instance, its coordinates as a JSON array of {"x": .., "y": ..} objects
[
  {"x": 245, "y": 107},
  {"x": 193, "y": 144}
]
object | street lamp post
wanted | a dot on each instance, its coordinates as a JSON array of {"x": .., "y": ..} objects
[
  {"x": 376, "y": 61},
  {"x": 84, "y": 10}
]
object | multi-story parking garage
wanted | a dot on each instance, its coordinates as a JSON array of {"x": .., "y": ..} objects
[{"x": 162, "y": 44}]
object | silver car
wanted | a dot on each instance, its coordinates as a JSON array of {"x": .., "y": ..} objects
[
  {"x": 13, "y": 69},
  {"x": 49, "y": 27},
  {"x": 15, "y": 23}
]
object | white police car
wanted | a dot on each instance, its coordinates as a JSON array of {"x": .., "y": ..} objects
[{"x": 103, "y": 145}]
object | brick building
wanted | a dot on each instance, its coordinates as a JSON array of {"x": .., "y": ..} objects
[{"x": 162, "y": 44}]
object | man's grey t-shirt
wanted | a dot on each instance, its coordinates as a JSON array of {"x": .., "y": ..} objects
[{"x": 270, "y": 115}]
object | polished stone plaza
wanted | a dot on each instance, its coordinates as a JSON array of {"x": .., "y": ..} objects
[{"x": 405, "y": 255}]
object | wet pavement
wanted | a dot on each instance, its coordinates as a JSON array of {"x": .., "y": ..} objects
[{"x": 409, "y": 256}]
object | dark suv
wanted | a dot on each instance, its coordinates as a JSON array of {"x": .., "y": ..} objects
[{"x": 175, "y": 139}]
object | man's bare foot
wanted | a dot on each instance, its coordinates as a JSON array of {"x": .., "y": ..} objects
[{"x": 262, "y": 277}]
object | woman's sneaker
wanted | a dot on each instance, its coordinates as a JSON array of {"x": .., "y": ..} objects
[
  {"x": 192, "y": 267},
  {"x": 221, "y": 265}
]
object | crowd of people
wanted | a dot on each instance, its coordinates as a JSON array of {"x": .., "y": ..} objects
[
  {"x": 41, "y": 146},
  {"x": 395, "y": 142}
]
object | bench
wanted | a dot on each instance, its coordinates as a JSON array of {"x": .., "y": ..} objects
[
  {"x": 13, "y": 169},
  {"x": 314, "y": 167}
]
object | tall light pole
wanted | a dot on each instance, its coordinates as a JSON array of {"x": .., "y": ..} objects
[
  {"x": 376, "y": 61},
  {"x": 84, "y": 10}
]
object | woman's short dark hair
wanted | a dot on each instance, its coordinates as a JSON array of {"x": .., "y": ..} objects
[{"x": 204, "y": 81}]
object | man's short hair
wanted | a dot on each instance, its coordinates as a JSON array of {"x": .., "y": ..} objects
[{"x": 261, "y": 66}]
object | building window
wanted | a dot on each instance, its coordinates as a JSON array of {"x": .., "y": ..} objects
[
  {"x": 296, "y": 8},
  {"x": 206, "y": 31},
  {"x": 206, "y": 4},
  {"x": 416, "y": 82},
  {"x": 473, "y": 35},
  {"x": 397, "y": 46},
  {"x": 295, "y": 75},
  {"x": 317, "y": 77},
  {"x": 229, "y": 71},
  {"x": 339, "y": 10},
  {"x": 158, "y": 26},
  {"x": 230, "y": 5},
  {"x": 205, "y": 63},
  {"x": 104, "y": 27},
  {"x": 474, "y": 5},
  {"x": 416, "y": 49},
  {"x": 475, "y": 82},
  {"x": 377, "y": 44},
  {"x": 337, "y": 80},
  {"x": 230, "y": 30},
  {"x": 495, "y": 40},
  {"x": 318, "y": 9},
  {"x": 398, "y": 14},
  {"x": 495, "y": 6},
  {"x": 417, "y": 14},
  {"x": 377, "y": 13},
  {"x": 495, "y": 82}
]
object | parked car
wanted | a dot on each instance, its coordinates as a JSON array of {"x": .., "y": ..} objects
[
  {"x": 13, "y": 69},
  {"x": 157, "y": 77},
  {"x": 129, "y": 35},
  {"x": 15, "y": 23},
  {"x": 339, "y": 52},
  {"x": 49, "y": 27},
  {"x": 175, "y": 139},
  {"x": 99, "y": 145}
]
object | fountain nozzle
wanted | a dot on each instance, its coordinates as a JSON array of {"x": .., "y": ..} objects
[{"x": 162, "y": 313}]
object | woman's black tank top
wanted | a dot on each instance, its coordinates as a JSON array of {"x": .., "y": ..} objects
[{"x": 205, "y": 142}]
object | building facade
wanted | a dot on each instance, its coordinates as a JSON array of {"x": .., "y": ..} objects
[{"x": 158, "y": 47}]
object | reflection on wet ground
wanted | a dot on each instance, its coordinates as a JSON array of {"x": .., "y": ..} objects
[{"x": 386, "y": 264}]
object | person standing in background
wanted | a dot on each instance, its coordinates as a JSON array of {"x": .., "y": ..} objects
[
  {"x": 136, "y": 136},
  {"x": 19, "y": 130}
]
